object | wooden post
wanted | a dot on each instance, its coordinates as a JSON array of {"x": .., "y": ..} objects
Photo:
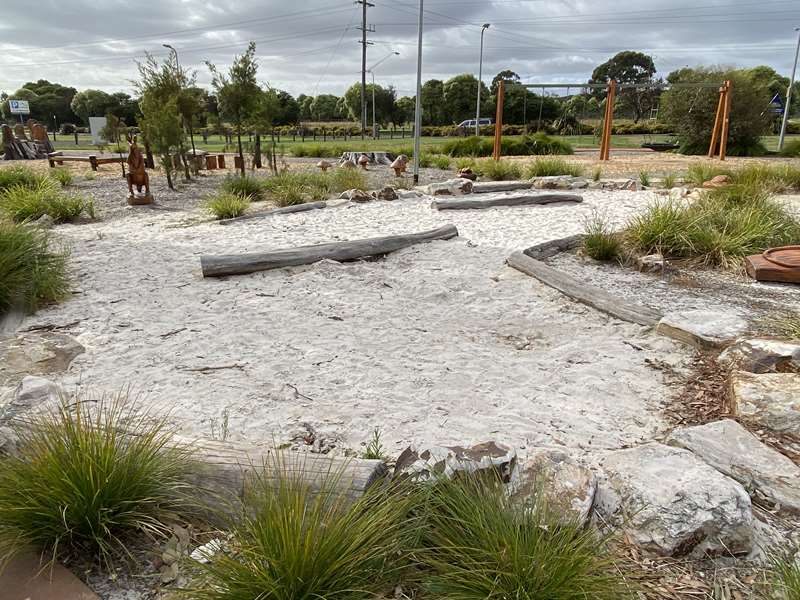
[
  {"x": 93, "y": 162},
  {"x": 608, "y": 121},
  {"x": 726, "y": 121},
  {"x": 498, "y": 122},
  {"x": 712, "y": 147}
]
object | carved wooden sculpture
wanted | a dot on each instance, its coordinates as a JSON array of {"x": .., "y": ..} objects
[{"x": 137, "y": 175}]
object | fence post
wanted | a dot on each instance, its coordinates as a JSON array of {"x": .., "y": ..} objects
[
  {"x": 76, "y": 137},
  {"x": 324, "y": 135}
]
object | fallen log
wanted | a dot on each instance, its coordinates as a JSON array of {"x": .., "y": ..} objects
[
  {"x": 587, "y": 294},
  {"x": 283, "y": 210},
  {"x": 553, "y": 247},
  {"x": 504, "y": 200},
  {"x": 239, "y": 264},
  {"x": 488, "y": 187}
]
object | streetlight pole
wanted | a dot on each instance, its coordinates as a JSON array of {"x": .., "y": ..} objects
[
  {"x": 191, "y": 132},
  {"x": 371, "y": 71},
  {"x": 480, "y": 82},
  {"x": 786, "y": 108},
  {"x": 418, "y": 106}
]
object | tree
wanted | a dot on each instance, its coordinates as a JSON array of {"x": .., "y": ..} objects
[
  {"x": 691, "y": 111},
  {"x": 461, "y": 96},
  {"x": 304, "y": 102},
  {"x": 432, "y": 100},
  {"x": 325, "y": 107},
  {"x": 261, "y": 121},
  {"x": 405, "y": 109},
  {"x": 288, "y": 112},
  {"x": 510, "y": 77},
  {"x": 238, "y": 92},
  {"x": 52, "y": 104},
  {"x": 384, "y": 102},
  {"x": 124, "y": 107},
  {"x": 629, "y": 67},
  {"x": 91, "y": 103}
]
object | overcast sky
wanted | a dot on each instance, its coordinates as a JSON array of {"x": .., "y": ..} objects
[{"x": 310, "y": 46}]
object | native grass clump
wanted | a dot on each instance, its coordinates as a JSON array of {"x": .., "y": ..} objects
[
  {"x": 549, "y": 167},
  {"x": 88, "y": 475},
  {"x": 600, "y": 241},
  {"x": 226, "y": 205},
  {"x": 244, "y": 186},
  {"x": 289, "y": 188},
  {"x": 27, "y": 202}
]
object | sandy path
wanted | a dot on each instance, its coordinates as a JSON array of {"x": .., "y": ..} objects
[{"x": 438, "y": 343}]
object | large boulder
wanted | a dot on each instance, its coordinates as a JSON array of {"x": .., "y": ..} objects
[
  {"x": 567, "y": 486},
  {"x": 770, "y": 400},
  {"x": 704, "y": 329},
  {"x": 762, "y": 356},
  {"x": 35, "y": 354},
  {"x": 451, "y": 187},
  {"x": 671, "y": 503},
  {"x": 734, "y": 451},
  {"x": 437, "y": 461}
]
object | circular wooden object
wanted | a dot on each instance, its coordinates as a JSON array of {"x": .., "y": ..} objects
[{"x": 785, "y": 256}]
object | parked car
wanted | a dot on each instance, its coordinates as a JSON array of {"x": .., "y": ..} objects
[{"x": 468, "y": 127}]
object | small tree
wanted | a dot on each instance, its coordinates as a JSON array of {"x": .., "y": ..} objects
[
  {"x": 629, "y": 67},
  {"x": 238, "y": 92},
  {"x": 112, "y": 133},
  {"x": 260, "y": 122},
  {"x": 162, "y": 128}
]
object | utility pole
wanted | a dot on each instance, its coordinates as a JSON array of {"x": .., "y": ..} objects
[
  {"x": 365, "y": 4},
  {"x": 418, "y": 106},
  {"x": 788, "y": 105},
  {"x": 480, "y": 83}
]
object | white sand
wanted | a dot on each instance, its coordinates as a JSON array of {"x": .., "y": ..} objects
[{"x": 439, "y": 343}]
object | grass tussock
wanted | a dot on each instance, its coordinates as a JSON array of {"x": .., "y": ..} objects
[
  {"x": 497, "y": 170},
  {"x": 771, "y": 177},
  {"x": 62, "y": 176},
  {"x": 668, "y": 181},
  {"x": 314, "y": 150},
  {"x": 718, "y": 229},
  {"x": 786, "y": 578},
  {"x": 600, "y": 242},
  {"x": 438, "y": 161},
  {"x": 226, "y": 205},
  {"x": 19, "y": 176},
  {"x": 791, "y": 149},
  {"x": 785, "y": 326},
  {"x": 597, "y": 173},
  {"x": 294, "y": 542},
  {"x": 297, "y": 187},
  {"x": 644, "y": 178},
  {"x": 79, "y": 485},
  {"x": 245, "y": 186},
  {"x": 481, "y": 544},
  {"x": 536, "y": 144},
  {"x": 549, "y": 167},
  {"x": 25, "y": 203},
  {"x": 33, "y": 271}
]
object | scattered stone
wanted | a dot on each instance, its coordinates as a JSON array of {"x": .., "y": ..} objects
[
  {"x": 770, "y": 400},
  {"x": 355, "y": 195},
  {"x": 553, "y": 182},
  {"x": 386, "y": 193},
  {"x": 9, "y": 441},
  {"x": 630, "y": 185},
  {"x": 451, "y": 187},
  {"x": 579, "y": 183},
  {"x": 703, "y": 328},
  {"x": 324, "y": 165},
  {"x": 652, "y": 263},
  {"x": 670, "y": 502},
  {"x": 429, "y": 463},
  {"x": 409, "y": 194},
  {"x": 467, "y": 173},
  {"x": 45, "y": 222},
  {"x": 717, "y": 182},
  {"x": 35, "y": 354},
  {"x": 566, "y": 485},
  {"x": 737, "y": 453},
  {"x": 32, "y": 394},
  {"x": 203, "y": 554},
  {"x": 762, "y": 356}
]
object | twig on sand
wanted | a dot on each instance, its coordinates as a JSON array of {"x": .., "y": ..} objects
[
  {"x": 52, "y": 326},
  {"x": 164, "y": 336},
  {"x": 296, "y": 391},
  {"x": 212, "y": 368}
]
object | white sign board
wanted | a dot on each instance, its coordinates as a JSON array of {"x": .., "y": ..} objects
[
  {"x": 19, "y": 107},
  {"x": 96, "y": 125}
]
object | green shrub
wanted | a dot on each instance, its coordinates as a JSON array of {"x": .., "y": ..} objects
[
  {"x": 245, "y": 186},
  {"x": 375, "y": 449},
  {"x": 440, "y": 161},
  {"x": 786, "y": 578},
  {"x": 24, "y": 203},
  {"x": 786, "y": 326},
  {"x": 348, "y": 179},
  {"x": 87, "y": 475},
  {"x": 294, "y": 541},
  {"x": 480, "y": 544},
  {"x": 791, "y": 148},
  {"x": 548, "y": 167},
  {"x": 32, "y": 271},
  {"x": 62, "y": 176},
  {"x": 597, "y": 173},
  {"x": 699, "y": 173},
  {"x": 599, "y": 241},
  {"x": 297, "y": 187},
  {"x": 465, "y": 163},
  {"x": 497, "y": 170},
  {"x": 718, "y": 229},
  {"x": 226, "y": 205},
  {"x": 668, "y": 182},
  {"x": 644, "y": 178},
  {"x": 536, "y": 144},
  {"x": 19, "y": 176},
  {"x": 314, "y": 150}
]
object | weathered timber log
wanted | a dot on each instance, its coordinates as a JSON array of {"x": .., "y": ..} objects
[
  {"x": 587, "y": 294},
  {"x": 375, "y": 158},
  {"x": 276, "y": 211},
  {"x": 553, "y": 247},
  {"x": 488, "y": 187},
  {"x": 224, "y": 471},
  {"x": 504, "y": 200},
  {"x": 238, "y": 264}
]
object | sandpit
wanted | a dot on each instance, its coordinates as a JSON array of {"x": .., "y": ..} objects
[{"x": 438, "y": 343}]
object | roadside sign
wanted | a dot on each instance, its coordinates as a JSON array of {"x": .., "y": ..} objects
[
  {"x": 776, "y": 105},
  {"x": 19, "y": 107}
]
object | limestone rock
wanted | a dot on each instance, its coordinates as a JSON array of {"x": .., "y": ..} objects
[
  {"x": 45, "y": 222},
  {"x": 770, "y": 400},
  {"x": 579, "y": 183},
  {"x": 429, "y": 463},
  {"x": 737, "y": 453},
  {"x": 631, "y": 185},
  {"x": 553, "y": 182},
  {"x": 386, "y": 193},
  {"x": 703, "y": 328},
  {"x": 355, "y": 195},
  {"x": 717, "y": 181},
  {"x": 566, "y": 485},
  {"x": 8, "y": 441},
  {"x": 451, "y": 187},
  {"x": 33, "y": 394},
  {"x": 35, "y": 354},
  {"x": 652, "y": 263},
  {"x": 670, "y": 502},
  {"x": 762, "y": 356}
]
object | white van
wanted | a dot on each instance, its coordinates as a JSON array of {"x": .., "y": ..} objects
[{"x": 470, "y": 123}]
